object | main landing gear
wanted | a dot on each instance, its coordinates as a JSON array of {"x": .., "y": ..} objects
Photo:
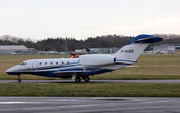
[
  {"x": 86, "y": 79},
  {"x": 18, "y": 80},
  {"x": 78, "y": 79}
]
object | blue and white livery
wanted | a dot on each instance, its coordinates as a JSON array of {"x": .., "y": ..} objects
[{"x": 85, "y": 65}]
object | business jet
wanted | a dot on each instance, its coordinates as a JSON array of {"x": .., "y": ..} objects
[{"x": 85, "y": 65}]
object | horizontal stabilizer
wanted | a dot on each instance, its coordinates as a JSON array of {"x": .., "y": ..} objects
[{"x": 143, "y": 39}]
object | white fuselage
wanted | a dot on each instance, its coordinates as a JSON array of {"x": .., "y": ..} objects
[
  {"x": 65, "y": 67},
  {"x": 86, "y": 65}
]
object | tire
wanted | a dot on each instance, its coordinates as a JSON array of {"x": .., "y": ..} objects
[
  {"x": 77, "y": 79},
  {"x": 86, "y": 79},
  {"x": 18, "y": 80}
]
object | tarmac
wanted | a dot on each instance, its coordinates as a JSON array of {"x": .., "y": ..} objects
[
  {"x": 92, "y": 81},
  {"x": 89, "y": 105}
]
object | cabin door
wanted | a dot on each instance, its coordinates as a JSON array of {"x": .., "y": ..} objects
[{"x": 35, "y": 65}]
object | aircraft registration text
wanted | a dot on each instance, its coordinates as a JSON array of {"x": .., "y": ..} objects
[{"x": 127, "y": 51}]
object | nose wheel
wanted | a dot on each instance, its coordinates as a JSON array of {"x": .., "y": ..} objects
[{"x": 18, "y": 80}]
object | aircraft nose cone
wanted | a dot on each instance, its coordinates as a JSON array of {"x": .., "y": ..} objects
[
  {"x": 8, "y": 70},
  {"x": 12, "y": 71}
]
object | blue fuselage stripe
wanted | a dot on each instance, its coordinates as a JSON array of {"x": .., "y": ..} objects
[{"x": 66, "y": 70}]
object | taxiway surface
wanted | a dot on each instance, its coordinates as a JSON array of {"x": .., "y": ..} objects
[
  {"x": 92, "y": 81},
  {"x": 89, "y": 105}
]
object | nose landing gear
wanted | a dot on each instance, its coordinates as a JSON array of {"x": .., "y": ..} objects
[{"x": 18, "y": 80}]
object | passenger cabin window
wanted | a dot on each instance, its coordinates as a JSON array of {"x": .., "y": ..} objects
[
  {"x": 45, "y": 63},
  {"x": 51, "y": 63},
  {"x": 68, "y": 62},
  {"x": 62, "y": 62},
  {"x": 56, "y": 63},
  {"x": 40, "y": 63}
]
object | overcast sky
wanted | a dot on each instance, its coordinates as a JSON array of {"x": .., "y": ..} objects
[{"x": 39, "y": 19}]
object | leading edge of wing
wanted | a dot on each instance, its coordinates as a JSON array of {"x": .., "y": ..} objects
[{"x": 68, "y": 71}]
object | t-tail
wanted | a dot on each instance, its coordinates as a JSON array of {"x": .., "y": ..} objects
[{"x": 135, "y": 47}]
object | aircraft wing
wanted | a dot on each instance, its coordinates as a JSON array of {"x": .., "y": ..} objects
[{"x": 69, "y": 71}]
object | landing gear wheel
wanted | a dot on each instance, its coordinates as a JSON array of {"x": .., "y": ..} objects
[
  {"x": 86, "y": 79},
  {"x": 19, "y": 80},
  {"x": 77, "y": 79}
]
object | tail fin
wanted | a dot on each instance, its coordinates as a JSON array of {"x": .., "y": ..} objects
[{"x": 136, "y": 46}]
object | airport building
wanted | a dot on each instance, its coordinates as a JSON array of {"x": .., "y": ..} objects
[
  {"x": 97, "y": 50},
  {"x": 170, "y": 48},
  {"x": 80, "y": 51},
  {"x": 48, "y": 52},
  {"x": 103, "y": 50},
  {"x": 16, "y": 49}
]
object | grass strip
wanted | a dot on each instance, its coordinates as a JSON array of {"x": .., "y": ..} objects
[{"x": 92, "y": 90}]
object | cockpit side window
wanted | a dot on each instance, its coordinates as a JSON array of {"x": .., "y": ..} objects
[{"x": 22, "y": 64}]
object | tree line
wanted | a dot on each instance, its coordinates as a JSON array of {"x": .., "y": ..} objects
[{"x": 58, "y": 43}]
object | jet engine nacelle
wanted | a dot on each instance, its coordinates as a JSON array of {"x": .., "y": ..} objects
[{"x": 96, "y": 59}]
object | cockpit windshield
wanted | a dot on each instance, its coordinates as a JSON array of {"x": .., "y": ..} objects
[{"x": 22, "y": 64}]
